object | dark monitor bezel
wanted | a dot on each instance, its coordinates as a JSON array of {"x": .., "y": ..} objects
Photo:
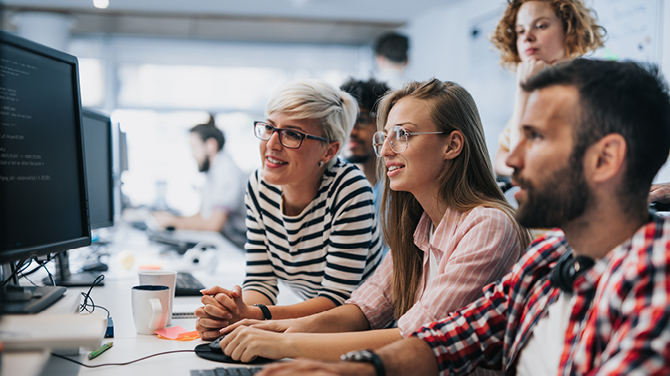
[
  {"x": 87, "y": 112},
  {"x": 18, "y": 254}
]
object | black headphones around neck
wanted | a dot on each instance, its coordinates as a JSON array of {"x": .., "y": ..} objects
[{"x": 567, "y": 269}]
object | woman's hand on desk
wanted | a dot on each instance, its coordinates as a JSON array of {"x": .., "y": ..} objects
[
  {"x": 208, "y": 323},
  {"x": 214, "y": 315},
  {"x": 246, "y": 343},
  {"x": 221, "y": 308},
  {"x": 279, "y": 326}
]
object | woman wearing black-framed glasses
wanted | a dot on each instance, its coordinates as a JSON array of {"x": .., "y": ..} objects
[{"x": 310, "y": 216}]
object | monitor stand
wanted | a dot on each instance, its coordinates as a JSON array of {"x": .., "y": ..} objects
[
  {"x": 63, "y": 277},
  {"x": 26, "y": 299}
]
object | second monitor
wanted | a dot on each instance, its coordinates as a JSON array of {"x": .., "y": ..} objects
[{"x": 98, "y": 158}]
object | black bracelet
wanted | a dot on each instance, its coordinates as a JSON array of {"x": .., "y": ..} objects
[
  {"x": 267, "y": 315},
  {"x": 366, "y": 356},
  {"x": 377, "y": 363}
]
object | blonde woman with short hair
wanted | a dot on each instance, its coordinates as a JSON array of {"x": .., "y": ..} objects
[{"x": 310, "y": 216}]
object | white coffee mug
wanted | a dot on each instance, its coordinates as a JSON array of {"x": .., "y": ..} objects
[
  {"x": 164, "y": 278},
  {"x": 150, "y": 307}
]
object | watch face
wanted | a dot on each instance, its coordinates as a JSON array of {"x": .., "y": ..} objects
[{"x": 359, "y": 356}]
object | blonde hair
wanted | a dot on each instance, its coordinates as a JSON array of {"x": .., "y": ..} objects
[
  {"x": 335, "y": 110},
  {"x": 469, "y": 182},
  {"x": 582, "y": 33}
]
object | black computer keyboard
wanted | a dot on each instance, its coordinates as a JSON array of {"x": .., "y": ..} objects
[
  {"x": 187, "y": 285},
  {"x": 232, "y": 371},
  {"x": 179, "y": 245}
]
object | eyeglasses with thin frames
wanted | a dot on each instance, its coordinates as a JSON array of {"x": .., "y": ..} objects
[
  {"x": 288, "y": 137},
  {"x": 398, "y": 139}
]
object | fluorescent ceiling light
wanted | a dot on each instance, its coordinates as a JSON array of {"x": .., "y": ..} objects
[{"x": 101, "y": 4}]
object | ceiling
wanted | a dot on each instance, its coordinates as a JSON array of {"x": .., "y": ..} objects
[{"x": 284, "y": 21}]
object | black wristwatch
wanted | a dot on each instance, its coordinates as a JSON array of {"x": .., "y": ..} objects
[
  {"x": 266, "y": 311},
  {"x": 365, "y": 356}
]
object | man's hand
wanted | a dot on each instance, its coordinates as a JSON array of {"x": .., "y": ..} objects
[{"x": 308, "y": 367}]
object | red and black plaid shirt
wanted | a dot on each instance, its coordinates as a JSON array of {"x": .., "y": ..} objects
[{"x": 620, "y": 319}]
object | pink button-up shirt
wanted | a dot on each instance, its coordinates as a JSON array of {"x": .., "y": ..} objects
[{"x": 472, "y": 249}]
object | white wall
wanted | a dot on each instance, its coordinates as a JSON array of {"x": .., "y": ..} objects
[{"x": 442, "y": 46}]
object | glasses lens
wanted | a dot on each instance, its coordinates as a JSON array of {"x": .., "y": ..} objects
[
  {"x": 263, "y": 131},
  {"x": 398, "y": 139},
  {"x": 378, "y": 143},
  {"x": 290, "y": 138}
]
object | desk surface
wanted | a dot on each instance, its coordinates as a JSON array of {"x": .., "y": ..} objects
[{"x": 116, "y": 297}]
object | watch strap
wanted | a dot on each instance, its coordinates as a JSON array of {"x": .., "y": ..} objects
[
  {"x": 267, "y": 315},
  {"x": 368, "y": 356}
]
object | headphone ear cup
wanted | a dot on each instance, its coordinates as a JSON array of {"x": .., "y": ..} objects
[
  {"x": 560, "y": 275},
  {"x": 567, "y": 269}
]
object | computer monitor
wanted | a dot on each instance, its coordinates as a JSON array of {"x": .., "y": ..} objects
[
  {"x": 98, "y": 155},
  {"x": 98, "y": 158},
  {"x": 123, "y": 151},
  {"x": 42, "y": 174},
  {"x": 120, "y": 165}
]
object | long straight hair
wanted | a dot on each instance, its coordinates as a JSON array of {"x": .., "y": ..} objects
[{"x": 467, "y": 183}]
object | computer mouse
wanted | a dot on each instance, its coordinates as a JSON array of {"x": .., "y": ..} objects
[
  {"x": 216, "y": 346},
  {"x": 213, "y": 351}
]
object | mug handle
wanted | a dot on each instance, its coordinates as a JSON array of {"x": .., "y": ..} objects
[{"x": 156, "y": 313}]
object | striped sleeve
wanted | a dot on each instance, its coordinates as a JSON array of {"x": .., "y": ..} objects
[
  {"x": 260, "y": 274},
  {"x": 354, "y": 246}
]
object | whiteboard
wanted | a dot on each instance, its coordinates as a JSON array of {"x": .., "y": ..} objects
[{"x": 634, "y": 29}]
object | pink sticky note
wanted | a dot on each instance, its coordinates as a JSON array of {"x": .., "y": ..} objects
[{"x": 171, "y": 332}]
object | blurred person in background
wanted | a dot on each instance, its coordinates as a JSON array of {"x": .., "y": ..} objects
[
  {"x": 391, "y": 58},
  {"x": 359, "y": 148},
  {"x": 222, "y": 206}
]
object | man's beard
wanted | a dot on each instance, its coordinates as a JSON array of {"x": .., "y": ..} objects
[
  {"x": 204, "y": 166},
  {"x": 557, "y": 201}
]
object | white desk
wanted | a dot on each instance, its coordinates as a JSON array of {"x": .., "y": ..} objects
[{"x": 116, "y": 297}]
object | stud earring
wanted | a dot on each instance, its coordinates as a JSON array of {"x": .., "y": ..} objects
[{"x": 320, "y": 163}]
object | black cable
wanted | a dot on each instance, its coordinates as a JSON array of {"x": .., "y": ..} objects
[
  {"x": 35, "y": 269},
  {"x": 119, "y": 364},
  {"x": 40, "y": 264},
  {"x": 18, "y": 269},
  {"x": 87, "y": 297},
  {"x": 51, "y": 277}
]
